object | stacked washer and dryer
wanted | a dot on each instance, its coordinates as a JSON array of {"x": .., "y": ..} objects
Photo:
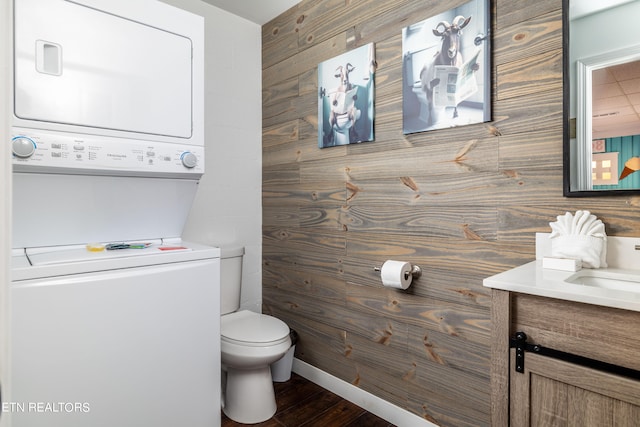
[{"x": 115, "y": 320}]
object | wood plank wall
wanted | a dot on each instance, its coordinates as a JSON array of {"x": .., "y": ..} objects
[{"x": 462, "y": 203}]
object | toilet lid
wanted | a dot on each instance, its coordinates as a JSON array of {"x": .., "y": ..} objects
[{"x": 250, "y": 327}]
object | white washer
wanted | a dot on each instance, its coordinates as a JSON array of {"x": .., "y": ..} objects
[{"x": 115, "y": 338}]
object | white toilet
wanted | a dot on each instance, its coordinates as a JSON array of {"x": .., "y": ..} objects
[{"x": 250, "y": 342}]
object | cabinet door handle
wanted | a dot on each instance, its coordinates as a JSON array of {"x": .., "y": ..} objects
[{"x": 519, "y": 342}]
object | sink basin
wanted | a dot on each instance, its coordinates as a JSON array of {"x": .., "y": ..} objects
[{"x": 607, "y": 280}]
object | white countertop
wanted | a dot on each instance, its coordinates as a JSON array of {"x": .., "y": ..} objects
[{"x": 532, "y": 279}]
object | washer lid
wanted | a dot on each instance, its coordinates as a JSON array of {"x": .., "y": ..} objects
[
  {"x": 247, "y": 326},
  {"x": 80, "y": 253}
]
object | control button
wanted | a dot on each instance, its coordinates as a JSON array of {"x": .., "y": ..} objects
[
  {"x": 78, "y": 147},
  {"x": 189, "y": 160},
  {"x": 23, "y": 146}
]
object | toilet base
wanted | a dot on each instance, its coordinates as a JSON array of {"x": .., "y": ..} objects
[{"x": 249, "y": 396}]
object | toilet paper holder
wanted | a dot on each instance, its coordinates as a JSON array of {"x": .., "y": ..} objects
[{"x": 415, "y": 272}]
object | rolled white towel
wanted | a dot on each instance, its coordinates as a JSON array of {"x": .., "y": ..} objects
[{"x": 581, "y": 236}]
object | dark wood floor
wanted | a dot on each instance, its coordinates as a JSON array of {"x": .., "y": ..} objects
[{"x": 302, "y": 403}]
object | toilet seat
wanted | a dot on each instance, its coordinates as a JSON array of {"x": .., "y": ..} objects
[{"x": 252, "y": 329}]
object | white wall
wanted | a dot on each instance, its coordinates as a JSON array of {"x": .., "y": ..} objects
[{"x": 228, "y": 206}]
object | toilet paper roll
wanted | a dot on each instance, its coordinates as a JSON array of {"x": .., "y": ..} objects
[{"x": 396, "y": 274}]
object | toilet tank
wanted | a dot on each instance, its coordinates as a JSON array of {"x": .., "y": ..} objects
[{"x": 230, "y": 278}]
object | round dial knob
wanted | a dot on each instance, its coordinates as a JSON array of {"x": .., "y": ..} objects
[
  {"x": 23, "y": 146},
  {"x": 189, "y": 160}
]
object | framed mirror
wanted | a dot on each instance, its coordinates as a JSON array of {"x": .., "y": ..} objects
[{"x": 602, "y": 98}]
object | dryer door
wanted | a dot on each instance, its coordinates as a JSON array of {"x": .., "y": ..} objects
[{"x": 78, "y": 65}]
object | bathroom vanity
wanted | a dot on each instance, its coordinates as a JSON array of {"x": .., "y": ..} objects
[{"x": 565, "y": 347}]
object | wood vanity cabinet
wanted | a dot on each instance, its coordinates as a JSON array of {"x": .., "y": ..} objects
[{"x": 555, "y": 392}]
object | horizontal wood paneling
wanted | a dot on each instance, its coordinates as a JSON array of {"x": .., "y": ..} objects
[
  {"x": 421, "y": 221},
  {"x": 463, "y": 203},
  {"x": 512, "y": 13},
  {"x": 537, "y": 35},
  {"x": 436, "y": 396},
  {"x": 528, "y": 75}
]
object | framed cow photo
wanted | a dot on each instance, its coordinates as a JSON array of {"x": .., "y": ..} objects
[{"x": 446, "y": 69}]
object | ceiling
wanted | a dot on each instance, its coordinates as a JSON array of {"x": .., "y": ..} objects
[
  {"x": 616, "y": 100},
  {"x": 258, "y": 11}
]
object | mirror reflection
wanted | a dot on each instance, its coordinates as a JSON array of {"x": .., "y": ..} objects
[
  {"x": 604, "y": 77},
  {"x": 615, "y": 125}
]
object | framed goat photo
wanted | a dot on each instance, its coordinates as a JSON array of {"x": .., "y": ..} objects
[
  {"x": 446, "y": 69},
  {"x": 345, "y": 92}
]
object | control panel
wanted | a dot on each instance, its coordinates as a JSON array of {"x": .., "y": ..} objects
[{"x": 53, "y": 152}]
